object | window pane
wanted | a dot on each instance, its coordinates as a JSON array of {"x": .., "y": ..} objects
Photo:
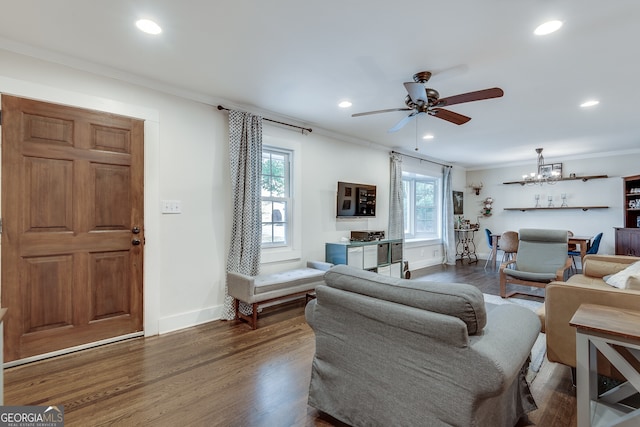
[
  {"x": 267, "y": 233},
  {"x": 267, "y": 211},
  {"x": 277, "y": 187},
  {"x": 266, "y": 187},
  {"x": 279, "y": 212},
  {"x": 266, "y": 163},
  {"x": 278, "y": 165},
  {"x": 279, "y": 233}
]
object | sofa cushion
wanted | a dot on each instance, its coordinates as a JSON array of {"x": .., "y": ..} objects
[
  {"x": 629, "y": 278},
  {"x": 463, "y": 301}
]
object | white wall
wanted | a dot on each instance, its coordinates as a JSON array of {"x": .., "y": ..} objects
[
  {"x": 598, "y": 192},
  {"x": 186, "y": 159},
  {"x": 185, "y": 144}
]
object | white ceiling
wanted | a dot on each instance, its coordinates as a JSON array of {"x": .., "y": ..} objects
[{"x": 297, "y": 59}]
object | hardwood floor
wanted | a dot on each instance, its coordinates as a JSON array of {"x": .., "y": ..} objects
[{"x": 225, "y": 374}]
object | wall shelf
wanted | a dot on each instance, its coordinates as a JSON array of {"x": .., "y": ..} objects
[
  {"x": 584, "y": 208},
  {"x": 575, "y": 178}
]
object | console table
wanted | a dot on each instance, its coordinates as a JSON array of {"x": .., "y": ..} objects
[
  {"x": 465, "y": 247},
  {"x": 615, "y": 334}
]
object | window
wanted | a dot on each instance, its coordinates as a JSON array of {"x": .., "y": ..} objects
[
  {"x": 276, "y": 197},
  {"x": 422, "y": 195}
]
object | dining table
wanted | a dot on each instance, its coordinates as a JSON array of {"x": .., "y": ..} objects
[{"x": 584, "y": 242}]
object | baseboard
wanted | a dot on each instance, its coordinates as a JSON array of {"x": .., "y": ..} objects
[
  {"x": 189, "y": 319},
  {"x": 417, "y": 265}
]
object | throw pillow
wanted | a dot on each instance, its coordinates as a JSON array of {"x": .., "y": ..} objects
[{"x": 629, "y": 278}]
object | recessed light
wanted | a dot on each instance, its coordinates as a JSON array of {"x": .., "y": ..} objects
[
  {"x": 428, "y": 136},
  {"x": 344, "y": 104},
  {"x": 548, "y": 28},
  {"x": 148, "y": 26},
  {"x": 590, "y": 103}
]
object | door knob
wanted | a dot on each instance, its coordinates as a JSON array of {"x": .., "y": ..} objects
[
  {"x": 135, "y": 229},
  {"x": 135, "y": 242}
]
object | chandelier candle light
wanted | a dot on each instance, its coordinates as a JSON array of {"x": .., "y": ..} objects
[{"x": 545, "y": 173}]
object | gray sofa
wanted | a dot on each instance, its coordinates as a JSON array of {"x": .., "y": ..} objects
[{"x": 396, "y": 352}]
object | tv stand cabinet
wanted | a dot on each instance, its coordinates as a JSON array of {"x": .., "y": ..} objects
[{"x": 381, "y": 256}]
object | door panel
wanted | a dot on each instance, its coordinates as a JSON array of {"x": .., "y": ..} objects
[
  {"x": 72, "y": 191},
  {"x": 47, "y": 281}
]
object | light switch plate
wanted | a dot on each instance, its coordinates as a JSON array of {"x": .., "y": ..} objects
[{"x": 171, "y": 206}]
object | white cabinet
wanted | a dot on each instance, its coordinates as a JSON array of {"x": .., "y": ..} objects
[
  {"x": 370, "y": 257},
  {"x": 396, "y": 269},
  {"x": 355, "y": 257},
  {"x": 382, "y": 256},
  {"x": 385, "y": 270}
]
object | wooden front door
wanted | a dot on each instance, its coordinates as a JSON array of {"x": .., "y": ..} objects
[{"x": 72, "y": 235}]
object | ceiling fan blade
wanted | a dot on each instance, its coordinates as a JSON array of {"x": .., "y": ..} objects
[
  {"x": 403, "y": 122},
  {"x": 417, "y": 92},
  {"x": 478, "y": 95},
  {"x": 381, "y": 111},
  {"x": 449, "y": 116}
]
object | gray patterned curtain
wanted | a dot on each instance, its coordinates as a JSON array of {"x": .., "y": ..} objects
[
  {"x": 396, "y": 211},
  {"x": 245, "y": 156},
  {"x": 448, "y": 238}
]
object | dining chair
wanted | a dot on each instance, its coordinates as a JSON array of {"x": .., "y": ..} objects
[
  {"x": 509, "y": 244},
  {"x": 593, "y": 249},
  {"x": 488, "y": 233}
]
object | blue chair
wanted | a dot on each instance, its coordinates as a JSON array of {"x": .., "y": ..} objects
[
  {"x": 489, "y": 243},
  {"x": 595, "y": 245}
]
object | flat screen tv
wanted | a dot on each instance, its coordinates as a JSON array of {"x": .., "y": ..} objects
[{"x": 356, "y": 200}]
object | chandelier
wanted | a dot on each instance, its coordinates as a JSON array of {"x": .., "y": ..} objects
[{"x": 544, "y": 173}]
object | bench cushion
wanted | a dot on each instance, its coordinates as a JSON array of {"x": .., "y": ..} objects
[
  {"x": 286, "y": 279},
  {"x": 254, "y": 289}
]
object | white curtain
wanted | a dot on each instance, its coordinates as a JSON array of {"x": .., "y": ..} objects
[
  {"x": 448, "y": 237},
  {"x": 245, "y": 157},
  {"x": 396, "y": 211}
]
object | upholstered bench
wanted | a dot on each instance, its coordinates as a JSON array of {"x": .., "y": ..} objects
[{"x": 264, "y": 288}]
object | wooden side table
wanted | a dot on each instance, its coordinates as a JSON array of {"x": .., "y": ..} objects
[{"x": 615, "y": 333}]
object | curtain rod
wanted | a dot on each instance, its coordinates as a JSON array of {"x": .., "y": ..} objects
[
  {"x": 421, "y": 159},
  {"x": 220, "y": 107}
]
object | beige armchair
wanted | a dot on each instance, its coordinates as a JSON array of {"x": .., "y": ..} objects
[
  {"x": 563, "y": 299},
  {"x": 542, "y": 258}
]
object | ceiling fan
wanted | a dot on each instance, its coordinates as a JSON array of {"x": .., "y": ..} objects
[{"x": 423, "y": 100}]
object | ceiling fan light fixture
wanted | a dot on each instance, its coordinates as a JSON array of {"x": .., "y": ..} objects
[
  {"x": 148, "y": 26},
  {"x": 590, "y": 103},
  {"x": 548, "y": 28},
  {"x": 345, "y": 104}
]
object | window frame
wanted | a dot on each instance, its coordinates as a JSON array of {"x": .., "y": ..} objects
[
  {"x": 409, "y": 205},
  {"x": 286, "y": 200},
  {"x": 279, "y": 138}
]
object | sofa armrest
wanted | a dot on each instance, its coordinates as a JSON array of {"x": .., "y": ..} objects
[
  {"x": 603, "y": 265},
  {"x": 507, "y": 339},
  {"x": 561, "y": 302}
]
